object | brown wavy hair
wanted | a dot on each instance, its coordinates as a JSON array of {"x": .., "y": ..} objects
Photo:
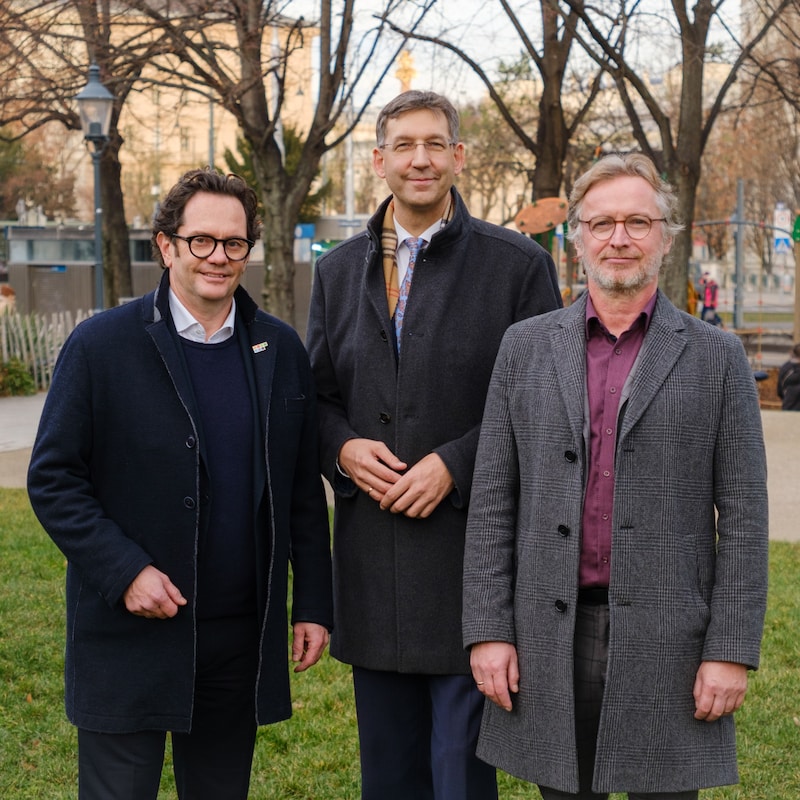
[{"x": 169, "y": 216}]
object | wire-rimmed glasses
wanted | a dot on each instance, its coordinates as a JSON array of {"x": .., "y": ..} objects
[{"x": 637, "y": 226}]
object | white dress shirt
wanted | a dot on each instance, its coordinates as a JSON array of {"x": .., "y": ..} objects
[{"x": 189, "y": 328}]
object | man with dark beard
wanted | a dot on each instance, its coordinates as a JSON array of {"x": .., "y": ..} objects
[{"x": 615, "y": 568}]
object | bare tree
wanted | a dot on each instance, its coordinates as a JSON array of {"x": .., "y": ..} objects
[
  {"x": 496, "y": 179},
  {"x": 556, "y": 124},
  {"x": 46, "y": 47},
  {"x": 239, "y": 53},
  {"x": 235, "y": 52},
  {"x": 617, "y": 35}
]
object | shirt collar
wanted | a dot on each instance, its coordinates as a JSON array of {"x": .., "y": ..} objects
[
  {"x": 427, "y": 235},
  {"x": 593, "y": 322},
  {"x": 189, "y": 328}
]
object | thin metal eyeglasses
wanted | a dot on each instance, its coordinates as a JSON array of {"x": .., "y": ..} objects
[
  {"x": 637, "y": 226},
  {"x": 202, "y": 246},
  {"x": 406, "y": 146}
]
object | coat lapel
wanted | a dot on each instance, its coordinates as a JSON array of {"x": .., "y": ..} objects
[
  {"x": 263, "y": 344},
  {"x": 156, "y": 311},
  {"x": 568, "y": 340},
  {"x": 662, "y": 346}
]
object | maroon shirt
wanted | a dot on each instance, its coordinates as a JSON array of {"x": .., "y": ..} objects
[{"x": 609, "y": 360}]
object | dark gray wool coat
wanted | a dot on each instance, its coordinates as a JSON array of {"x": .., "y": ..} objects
[
  {"x": 117, "y": 479},
  {"x": 397, "y": 581},
  {"x": 685, "y": 587}
]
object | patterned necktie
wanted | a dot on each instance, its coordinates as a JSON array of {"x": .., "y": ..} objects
[{"x": 413, "y": 244}]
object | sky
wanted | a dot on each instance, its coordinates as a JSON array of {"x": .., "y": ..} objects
[{"x": 480, "y": 28}]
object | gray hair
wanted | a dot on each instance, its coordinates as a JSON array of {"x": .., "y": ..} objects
[
  {"x": 413, "y": 101},
  {"x": 617, "y": 165}
]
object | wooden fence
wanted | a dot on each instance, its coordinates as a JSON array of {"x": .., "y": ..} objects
[{"x": 36, "y": 339}]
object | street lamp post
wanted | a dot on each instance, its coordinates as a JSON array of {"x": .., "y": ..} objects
[{"x": 95, "y": 104}]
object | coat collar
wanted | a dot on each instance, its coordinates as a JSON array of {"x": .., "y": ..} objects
[
  {"x": 442, "y": 243},
  {"x": 444, "y": 239}
]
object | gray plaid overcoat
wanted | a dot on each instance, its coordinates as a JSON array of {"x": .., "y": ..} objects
[{"x": 685, "y": 585}]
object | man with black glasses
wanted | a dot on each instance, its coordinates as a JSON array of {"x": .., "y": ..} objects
[
  {"x": 615, "y": 568},
  {"x": 176, "y": 467}
]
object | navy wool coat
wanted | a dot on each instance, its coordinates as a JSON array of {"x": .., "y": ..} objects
[
  {"x": 116, "y": 478},
  {"x": 397, "y": 581},
  {"x": 688, "y": 557}
]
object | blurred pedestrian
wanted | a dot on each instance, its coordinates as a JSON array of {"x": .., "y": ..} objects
[
  {"x": 789, "y": 381},
  {"x": 709, "y": 297}
]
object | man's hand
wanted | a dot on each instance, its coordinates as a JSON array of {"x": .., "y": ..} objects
[
  {"x": 496, "y": 671},
  {"x": 153, "y": 595},
  {"x": 308, "y": 644},
  {"x": 418, "y": 492},
  {"x": 371, "y": 465},
  {"x": 719, "y": 689}
]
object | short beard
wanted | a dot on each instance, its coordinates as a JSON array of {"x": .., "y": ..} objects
[{"x": 625, "y": 284}]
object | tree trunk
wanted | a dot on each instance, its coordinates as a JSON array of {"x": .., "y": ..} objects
[
  {"x": 683, "y": 162},
  {"x": 117, "y": 278},
  {"x": 551, "y": 133},
  {"x": 278, "y": 292},
  {"x": 280, "y": 218}
]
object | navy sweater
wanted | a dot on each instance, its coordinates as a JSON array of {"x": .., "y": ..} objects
[{"x": 226, "y": 562}]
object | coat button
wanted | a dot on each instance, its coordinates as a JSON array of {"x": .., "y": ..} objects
[
  {"x": 384, "y": 336},
  {"x": 571, "y": 456},
  {"x": 564, "y": 530},
  {"x": 561, "y": 606},
  {"x": 191, "y": 442},
  {"x": 189, "y": 502},
  {"x": 385, "y": 418}
]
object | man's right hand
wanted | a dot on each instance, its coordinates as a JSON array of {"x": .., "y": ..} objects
[
  {"x": 371, "y": 465},
  {"x": 153, "y": 595},
  {"x": 496, "y": 671}
]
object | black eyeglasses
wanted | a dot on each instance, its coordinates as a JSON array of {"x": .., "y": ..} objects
[
  {"x": 637, "y": 226},
  {"x": 202, "y": 246}
]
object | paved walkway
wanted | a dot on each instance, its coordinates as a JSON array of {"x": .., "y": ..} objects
[{"x": 19, "y": 418}]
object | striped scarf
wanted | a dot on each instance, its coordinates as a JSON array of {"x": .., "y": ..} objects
[{"x": 389, "y": 249}]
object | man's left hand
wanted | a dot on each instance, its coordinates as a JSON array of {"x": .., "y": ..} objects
[
  {"x": 420, "y": 489},
  {"x": 719, "y": 689},
  {"x": 308, "y": 644}
]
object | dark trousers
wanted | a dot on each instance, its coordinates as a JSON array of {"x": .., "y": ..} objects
[
  {"x": 418, "y": 735},
  {"x": 211, "y": 762},
  {"x": 591, "y": 658}
]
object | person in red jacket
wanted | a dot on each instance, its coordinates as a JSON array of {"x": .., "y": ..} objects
[{"x": 709, "y": 294}]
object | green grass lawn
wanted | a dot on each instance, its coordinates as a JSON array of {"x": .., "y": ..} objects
[{"x": 314, "y": 756}]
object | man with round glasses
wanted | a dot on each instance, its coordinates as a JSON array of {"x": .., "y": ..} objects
[
  {"x": 615, "y": 568},
  {"x": 203, "y": 246},
  {"x": 177, "y": 468}
]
